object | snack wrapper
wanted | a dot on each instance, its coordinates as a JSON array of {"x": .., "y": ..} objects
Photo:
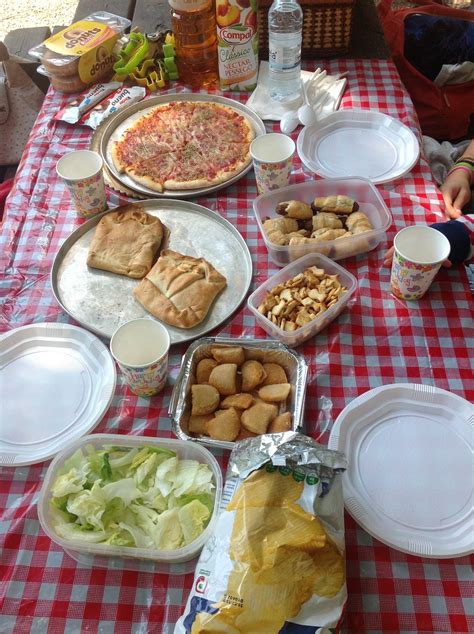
[
  {"x": 117, "y": 100},
  {"x": 276, "y": 560},
  {"x": 87, "y": 100}
]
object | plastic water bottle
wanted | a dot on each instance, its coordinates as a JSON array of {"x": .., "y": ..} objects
[{"x": 285, "y": 29}]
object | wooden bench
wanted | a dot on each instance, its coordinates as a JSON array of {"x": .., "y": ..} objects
[
  {"x": 368, "y": 41},
  {"x": 20, "y": 41}
]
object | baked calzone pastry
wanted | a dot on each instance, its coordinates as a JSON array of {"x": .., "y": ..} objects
[
  {"x": 335, "y": 204},
  {"x": 180, "y": 289},
  {"x": 126, "y": 242}
]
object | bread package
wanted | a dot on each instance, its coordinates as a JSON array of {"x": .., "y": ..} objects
[{"x": 83, "y": 53}]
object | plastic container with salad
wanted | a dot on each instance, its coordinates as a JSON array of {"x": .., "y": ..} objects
[{"x": 112, "y": 500}]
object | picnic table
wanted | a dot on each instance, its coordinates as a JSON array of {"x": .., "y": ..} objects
[{"x": 377, "y": 340}]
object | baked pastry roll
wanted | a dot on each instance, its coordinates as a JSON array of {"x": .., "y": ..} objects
[
  {"x": 126, "y": 242},
  {"x": 205, "y": 399},
  {"x": 239, "y": 401},
  {"x": 228, "y": 354},
  {"x": 358, "y": 223},
  {"x": 280, "y": 423},
  {"x": 225, "y": 425},
  {"x": 204, "y": 369},
  {"x": 275, "y": 374},
  {"x": 295, "y": 209},
  {"x": 252, "y": 375},
  {"x": 224, "y": 378},
  {"x": 277, "y": 229},
  {"x": 335, "y": 204},
  {"x": 258, "y": 417},
  {"x": 274, "y": 393},
  {"x": 180, "y": 289},
  {"x": 325, "y": 220},
  {"x": 328, "y": 234}
]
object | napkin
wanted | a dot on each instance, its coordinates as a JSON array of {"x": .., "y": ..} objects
[{"x": 326, "y": 95}]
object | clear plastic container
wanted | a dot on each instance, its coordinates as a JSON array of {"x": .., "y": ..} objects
[
  {"x": 83, "y": 53},
  {"x": 312, "y": 328},
  {"x": 179, "y": 561},
  {"x": 360, "y": 189}
]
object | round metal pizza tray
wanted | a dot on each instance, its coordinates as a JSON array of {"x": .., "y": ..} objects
[
  {"x": 119, "y": 122},
  {"x": 102, "y": 301}
]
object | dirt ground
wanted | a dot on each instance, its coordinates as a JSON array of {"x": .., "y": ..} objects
[{"x": 17, "y": 14}]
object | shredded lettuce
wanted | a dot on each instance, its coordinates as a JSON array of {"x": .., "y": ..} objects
[{"x": 129, "y": 497}]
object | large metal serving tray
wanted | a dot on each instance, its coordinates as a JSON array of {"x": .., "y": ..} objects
[
  {"x": 102, "y": 301},
  {"x": 126, "y": 117}
]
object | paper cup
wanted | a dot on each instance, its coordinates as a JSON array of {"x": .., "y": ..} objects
[
  {"x": 419, "y": 253},
  {"x": 140, "y": 348},
  {"x": 272, "y": 156},
  {"x": 82, "y": 173}
]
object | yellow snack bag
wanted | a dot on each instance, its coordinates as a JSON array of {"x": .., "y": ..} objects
[{"x": 276, "y": 559}]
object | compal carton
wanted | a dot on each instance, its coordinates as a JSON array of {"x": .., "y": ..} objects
[{"x": 237, "y": 44}]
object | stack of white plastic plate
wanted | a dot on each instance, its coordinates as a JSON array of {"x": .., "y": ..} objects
[
  {"x": 410, "y": 477},
  {"x": 362, "y": 143},
  {"x": 56, "y": 383}
]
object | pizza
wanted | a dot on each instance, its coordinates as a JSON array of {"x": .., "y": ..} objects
[{"x": 184, "y": 145}]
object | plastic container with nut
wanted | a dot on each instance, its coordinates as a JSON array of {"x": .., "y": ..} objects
[
  {"x": 111, "y": 553},
  {"x": 262, "y": 350},
  {"x": 83, "y": 53},
  {"x": 359, "y": 189},
  {"x": 311, "y": 328}
]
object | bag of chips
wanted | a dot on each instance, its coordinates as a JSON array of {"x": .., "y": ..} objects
[{"x": 276, "y": 560}]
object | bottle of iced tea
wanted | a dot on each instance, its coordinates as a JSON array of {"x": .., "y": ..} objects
[{"x": 194, "y": 27}]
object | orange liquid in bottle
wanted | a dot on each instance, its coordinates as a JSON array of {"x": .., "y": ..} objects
[{"x": 194, "y": 27}]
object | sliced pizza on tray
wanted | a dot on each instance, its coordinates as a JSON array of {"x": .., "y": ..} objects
[{"x": 184, "y": 145}]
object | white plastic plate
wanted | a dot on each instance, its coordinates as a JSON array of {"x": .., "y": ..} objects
[
  {"x": 361, "y": 143},
  {"x": 56, "y": 383},
  {"x": 409, "y": 480}
]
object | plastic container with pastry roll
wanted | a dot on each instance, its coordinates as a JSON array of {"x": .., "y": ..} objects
[
  {"x": 82, "y": 53},
  {"x": 361, "y": 190}
]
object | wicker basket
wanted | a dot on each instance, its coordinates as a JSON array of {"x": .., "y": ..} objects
[{"x": 327, "y": 26}]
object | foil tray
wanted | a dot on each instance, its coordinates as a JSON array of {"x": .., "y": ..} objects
[
  {"x": 102, "y": 301},
  {"x": 263, "y": 350},
  {"x": 123, "y": 119}
]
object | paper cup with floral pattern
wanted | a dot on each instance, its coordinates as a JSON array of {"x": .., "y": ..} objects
[
  {"x": 272, "y": 156},
  {"x": 141, "y": 348},
  {"x": 418, "y": 255},
  {"x": 82, "y": 172}
]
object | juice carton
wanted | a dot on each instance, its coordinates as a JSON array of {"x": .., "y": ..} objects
[{"x": 237, "y": 44}]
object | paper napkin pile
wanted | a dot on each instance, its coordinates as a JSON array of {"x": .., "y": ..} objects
[{"x": 325, "y": 97}]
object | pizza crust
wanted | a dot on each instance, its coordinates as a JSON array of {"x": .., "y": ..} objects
[
  {"x": 126, "y": 242},
  {"x": 146, "y": 181},
  {"x": 180, "y": 289}
]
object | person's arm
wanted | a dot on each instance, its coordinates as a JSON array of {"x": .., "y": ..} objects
[{"x": 456, "y": 188}]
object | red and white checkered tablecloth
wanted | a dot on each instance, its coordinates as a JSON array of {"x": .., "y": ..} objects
[{"x": 378, "y": 340}]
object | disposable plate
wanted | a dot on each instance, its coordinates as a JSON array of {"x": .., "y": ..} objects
[
  {"x": 409, "y": 480},
  {"x": 56, "y": 383},
  {"x": 361, "y": 143}
]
